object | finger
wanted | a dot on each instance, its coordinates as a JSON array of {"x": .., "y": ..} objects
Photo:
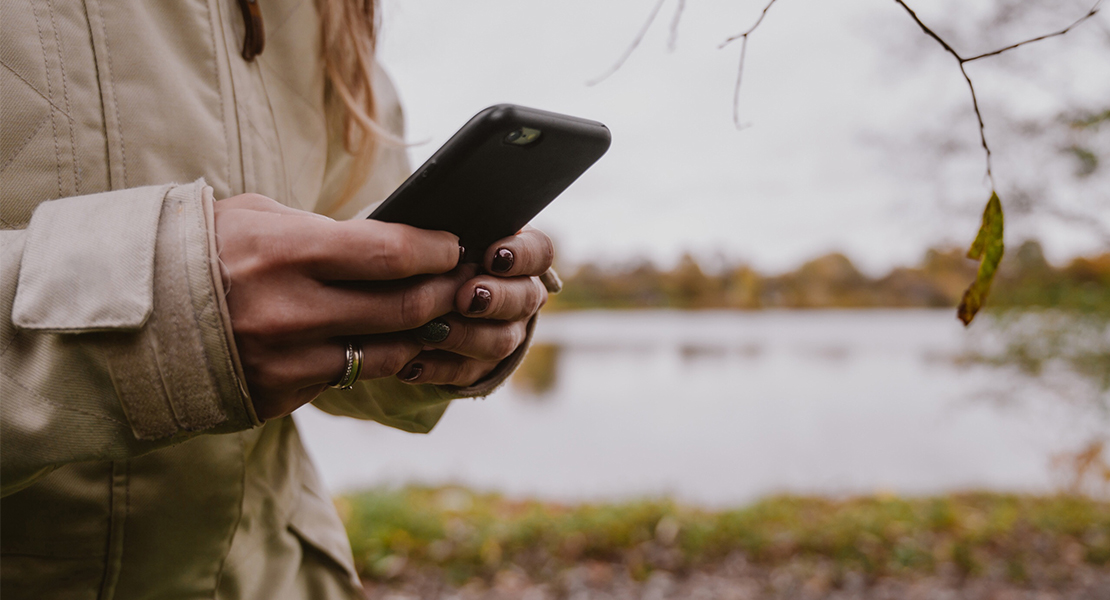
[
  {"x": 384, "y": 358},
  {"x": 325, "y": 362},
  {"x": 296, "y": 376},
  {"x": 445, "y": 368},
  {"x": 319, "y": 310},
  {"x": 368, "y": 250},
  {"x": 529, "y": 252},
  {"x": 498, "y": 298},
  {"x": 479, "y": 338}
]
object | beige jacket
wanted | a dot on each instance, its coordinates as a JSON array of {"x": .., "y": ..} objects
[{"x": 133, "y": 465}]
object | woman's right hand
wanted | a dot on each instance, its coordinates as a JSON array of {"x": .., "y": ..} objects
[{"x": 298, "y": 285}]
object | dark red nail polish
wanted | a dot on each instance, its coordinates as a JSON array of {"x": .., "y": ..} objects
[
  {"x": 415, "y": 371},
  {"x": 480, "y": 302},
  {"x": 502, "y": 260}
]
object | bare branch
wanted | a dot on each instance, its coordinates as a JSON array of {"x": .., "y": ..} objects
[
  {"x": 674, "y": 24},
  {"x": 632, "y": 48},
  {"x": 963, "y": 61},
  {"x": 743, "y": 37},
  {"x": 929, "y": 32}
]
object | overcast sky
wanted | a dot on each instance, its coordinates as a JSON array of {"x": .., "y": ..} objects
[{"x": 837, "y": 95}]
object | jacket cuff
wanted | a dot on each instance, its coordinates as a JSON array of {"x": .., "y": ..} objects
[
  {"x": 88, "y": 263},
  {"x": 154, "y": 287}
]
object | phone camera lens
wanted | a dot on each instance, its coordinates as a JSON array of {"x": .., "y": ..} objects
[{"x": 523, "y": 136}]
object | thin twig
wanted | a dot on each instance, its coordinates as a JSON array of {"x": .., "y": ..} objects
[
  {"x": 632, "y": 48},
  {"x": 1090, "y": 13},
  {"x": 963, "y": 61},
  {"x": 674, "y": 24},
  {"x": 736, "y": 90},
  {"x": 750, "y": 29},
  {"x": 743, "y": 37},
  {"x": 982, "y": 126}
]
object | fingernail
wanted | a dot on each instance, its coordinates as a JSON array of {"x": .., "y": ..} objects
[
  {"x": 480, "y": 302},
  {"x": 462, "y": 254},
  {"x": 502, "y": 260},
  {"x": 415, "y": 371},
  {"x": 434, "y": 332}
]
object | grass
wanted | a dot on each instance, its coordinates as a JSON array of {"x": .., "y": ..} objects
[{"x": 465, "y": 534}]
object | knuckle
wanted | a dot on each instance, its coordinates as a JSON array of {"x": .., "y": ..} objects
[
  {"x": 417, "y": 306},
  {"x": 472, "y": 373},
  {"x": 394, "y": 250},
  {"x": 468, "y": 337},
  {"x": 539, "y": 296},
  {"x": 501, "y": 297},
  {"x": 505, "y": 345},
  {"x": 456, "y": 372},
  {"x": 531, "y": 300},
  {"x": 391, "y": 364},
  {"x": 547, "y": 254}
]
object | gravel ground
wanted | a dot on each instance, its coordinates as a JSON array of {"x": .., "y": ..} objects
[{"x": 737, "y": 579}]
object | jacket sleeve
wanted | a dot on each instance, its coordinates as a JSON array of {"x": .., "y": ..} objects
[{"x": 114, "y": 340}]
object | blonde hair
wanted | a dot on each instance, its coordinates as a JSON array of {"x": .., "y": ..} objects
[{"x": 348, "y": 32}]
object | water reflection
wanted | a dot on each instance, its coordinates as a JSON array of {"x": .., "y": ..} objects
[
  {"x": 827, "y": 353},
  {"x": 722, "y": 408},
  {"x": 539, "y": 372},
  {"x": 694, "y": 352},
  {"x": 1059, "y": 357}
]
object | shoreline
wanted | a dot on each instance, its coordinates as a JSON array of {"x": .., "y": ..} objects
[{"x": 451, "y": 542}]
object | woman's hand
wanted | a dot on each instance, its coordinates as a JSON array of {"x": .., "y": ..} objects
[
  {"x": 300, "y": 285},
  {"x": 491, "y": 315}
]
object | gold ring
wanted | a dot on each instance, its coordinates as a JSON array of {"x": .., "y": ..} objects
[{"x": 353, "y": 368}]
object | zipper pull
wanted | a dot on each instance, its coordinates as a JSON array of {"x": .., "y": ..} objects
[{"x": 254, "y": 38}]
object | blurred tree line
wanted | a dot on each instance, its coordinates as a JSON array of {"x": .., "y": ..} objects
[{"x": 1025, "y": 280}]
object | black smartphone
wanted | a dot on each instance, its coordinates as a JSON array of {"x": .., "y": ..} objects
[{"x": 496, "y": 173}]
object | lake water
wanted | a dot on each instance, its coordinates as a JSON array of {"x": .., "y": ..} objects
[{"x": 721, "y": 408}]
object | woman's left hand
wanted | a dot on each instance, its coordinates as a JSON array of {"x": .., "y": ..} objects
[{"x": 492, "y": 314}]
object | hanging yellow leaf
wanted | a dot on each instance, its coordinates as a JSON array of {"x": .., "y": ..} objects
[{"x": 987, "y": 249}]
